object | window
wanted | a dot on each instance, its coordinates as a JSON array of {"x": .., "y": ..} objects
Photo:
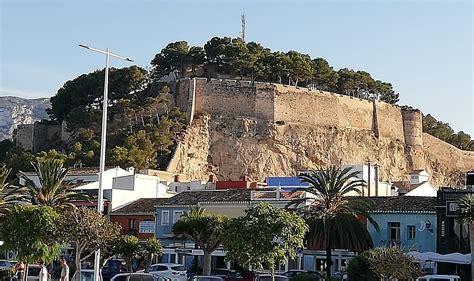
[
  {"x": 165, "y": 217},
  {"x": 393, "y": 231},
  {"x": 176, "y": 215},
  {"x": 131, "y": 224},
  {"x": 411, "y": 232}
]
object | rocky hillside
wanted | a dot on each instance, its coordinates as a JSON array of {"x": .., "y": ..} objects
[
  {"x": 15, "y": 110},
  {"x": 232, "y": 147}
]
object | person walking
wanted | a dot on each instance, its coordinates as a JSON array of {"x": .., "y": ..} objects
[
  {"x": 64, "y": 271},
  {"x": 20, "y": 270},
  {"x": 43, "y": 273}
]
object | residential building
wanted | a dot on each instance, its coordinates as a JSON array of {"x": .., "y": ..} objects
[
  {"x": 405, "y": 221},
  {"x": 453, "y": 236},
  {"x": 138, "y": 217},
  {"x": 418, "y": 185},
  {"x": 232, "y": 203}
]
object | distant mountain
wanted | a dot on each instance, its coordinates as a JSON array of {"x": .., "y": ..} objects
[{"x": 15, "y": 110}]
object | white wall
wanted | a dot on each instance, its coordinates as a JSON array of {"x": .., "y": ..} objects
[{"x": 130, "y": 188}]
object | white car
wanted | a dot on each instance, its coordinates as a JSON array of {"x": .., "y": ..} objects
[
  {"x": 439, "y": 278},
  {"x": 137, "y": 277},
  {"x": 173, "y": 271}
]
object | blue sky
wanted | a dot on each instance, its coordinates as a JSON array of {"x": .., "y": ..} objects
[{"x": 424, "y": 48}]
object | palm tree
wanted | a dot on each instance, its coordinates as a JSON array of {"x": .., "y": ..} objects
[
  {"x": 194, "y": 211},
  {"x": 52, "y": 190},
  {"x": 333, "y": 218},
  {"x": 466, "y": 215},
  {"x": 5, "y": 199}
]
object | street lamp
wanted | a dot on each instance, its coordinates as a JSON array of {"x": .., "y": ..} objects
[{"x": 100, "y": 205}]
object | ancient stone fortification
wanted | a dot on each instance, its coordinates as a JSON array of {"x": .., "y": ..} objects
[{"x": 267, "y": 129}]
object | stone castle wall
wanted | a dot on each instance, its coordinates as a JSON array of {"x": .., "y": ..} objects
[{"x": 275, "y": 102}]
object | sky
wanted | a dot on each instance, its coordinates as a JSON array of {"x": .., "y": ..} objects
[{"x": 424, "y": 48}]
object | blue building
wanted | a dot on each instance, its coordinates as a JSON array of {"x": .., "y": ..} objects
[
  {"x": 406, "y": 221},
  {"x": 292, "y": 182}
]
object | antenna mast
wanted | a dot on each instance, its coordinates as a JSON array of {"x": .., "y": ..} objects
[{"x": 242, "y": 33}]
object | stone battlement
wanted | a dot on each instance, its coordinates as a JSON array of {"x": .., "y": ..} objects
[{"x": 288, "y": 104}]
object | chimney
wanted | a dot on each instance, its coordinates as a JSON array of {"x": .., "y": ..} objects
[
  {"x": 131, "y": 170},
  {"x": 245, "y": 178},
  {"x": 176, "y": 178}
]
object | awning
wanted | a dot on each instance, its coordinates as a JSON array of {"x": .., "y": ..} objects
[{"x": 457, "y": 258}]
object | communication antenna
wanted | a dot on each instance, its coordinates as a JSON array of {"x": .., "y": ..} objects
[{"x": 242, "y": 32}]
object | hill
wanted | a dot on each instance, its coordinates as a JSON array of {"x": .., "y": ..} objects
[{"x": 16, "y": 110}]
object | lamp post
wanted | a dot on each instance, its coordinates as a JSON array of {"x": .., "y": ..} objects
[{"x": 100, "y": 205}]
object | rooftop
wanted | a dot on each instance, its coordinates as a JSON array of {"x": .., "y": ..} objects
[
  {"x": 402, "y": 204},
  {"x": 143, "y": 205}
]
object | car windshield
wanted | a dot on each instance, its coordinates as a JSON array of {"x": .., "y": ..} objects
[
  {"x": 269, "y": 278},
  {"x": 178, "y": 268},
  {"x": 121, "y": 278}
]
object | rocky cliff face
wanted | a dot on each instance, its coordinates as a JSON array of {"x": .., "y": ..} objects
[
  {"x": 232, "y": 147},
  {"x": 15, "y": 110}
]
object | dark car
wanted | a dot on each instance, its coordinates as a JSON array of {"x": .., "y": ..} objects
[
  {"x": 292, "y": 273},
  {"x": 112, "y": 268},
  {"x": 244, "y": 275}
]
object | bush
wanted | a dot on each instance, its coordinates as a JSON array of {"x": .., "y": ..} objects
[
  {"x": 359, "y": 269},
  {"x": 7, "y": 273}
]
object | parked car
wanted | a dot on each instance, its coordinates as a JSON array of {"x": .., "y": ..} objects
[
  {"x": 173, "y": 271},
  {"x": 207, "y": 278},
  {"x": 86, "y": 275},
  {"x": 439, "y": 278},
  {"x": 268, "y": 277},
  {"x": 293, "y": 273},
  {"x": 112, "y": 268},
  {"x": 4, "y": 264},
  {"x": 244, "y": 275},
  {"x": 138, "y": 277},
  {"x": 223, "y": 273}
]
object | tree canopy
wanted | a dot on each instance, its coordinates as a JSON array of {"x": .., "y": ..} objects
[
  {"x": 32, "y": 231},
  {"x": 204, "y": 230},
  {"x": 87, "y": 231},
  {"x": 265, "y": 235},
  {"x": 444, "y": 132}
]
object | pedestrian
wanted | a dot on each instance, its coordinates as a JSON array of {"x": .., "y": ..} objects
[
  {"x": 64, "y": 271},
  {"x": 20, "y": 270},
  {"x": 43, "y": 274}
]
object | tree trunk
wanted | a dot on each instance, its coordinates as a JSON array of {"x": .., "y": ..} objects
[
  {"x": 471, "y": 243},
  {"x": 273, "y": 272},
  {"x": 149, "y": 262},
  {"x": 77, "y": 260},
  {"x": 206, "y": 268},
  {"x": 129, "y": 263},
  {"x": 328, "y": 259}
]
